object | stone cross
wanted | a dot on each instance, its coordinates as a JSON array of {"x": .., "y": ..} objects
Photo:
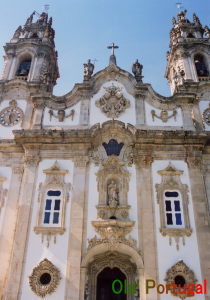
[{"x": 113, "y": 46}]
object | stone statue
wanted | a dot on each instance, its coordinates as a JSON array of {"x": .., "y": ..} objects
[
  {"x": 112, "y": 194},
  {"x": 88, "y": 70},
  {"x": 137, "y": 71},
  {"x": 207, "y": 31},
  {"x": 179, "y": 76}
]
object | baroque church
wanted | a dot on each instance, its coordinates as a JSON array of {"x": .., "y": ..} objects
[{"x": 105, "y": 191}]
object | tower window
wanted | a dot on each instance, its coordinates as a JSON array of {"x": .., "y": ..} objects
[
  {"x": 52, "y": 208},
  {"x": 24, "y": 68},
  {"x": 173, "y": 210},
  {"x": 200, "y": 66}
]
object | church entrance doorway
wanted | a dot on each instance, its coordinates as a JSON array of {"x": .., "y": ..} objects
[{"x": 104, "y": 284}]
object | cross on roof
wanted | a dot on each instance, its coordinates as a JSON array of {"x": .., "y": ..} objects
[{"x": 113, "y": 46}]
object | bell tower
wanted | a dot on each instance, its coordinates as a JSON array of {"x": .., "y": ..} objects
[
  {"x": 189, "y": 54},
  {"x": 31, "y": 55}
]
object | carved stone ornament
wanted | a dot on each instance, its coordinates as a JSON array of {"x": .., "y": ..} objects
[
  {"x": 113, "y": 103},
  {"x": 54, "y": 181},
  {"x": 3, "y": 192},
  {"x": 180, "y": 269},
  {"x": 171, "y": 182},
  {"x": 11, "y": 115},
  {"x": 164, "y": 116},
  {"x": 44, "y": 278},
  {"x": 61, "y": 115}
]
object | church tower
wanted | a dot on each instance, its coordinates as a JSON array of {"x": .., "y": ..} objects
[
  {"x": 31, "y": 55},
  {"x": 189, "y": 54}
]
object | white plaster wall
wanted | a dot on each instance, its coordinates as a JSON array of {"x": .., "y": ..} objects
[
  {"x": 93, "y": 198},
  {"x": 168, "y": 255},
  {"x": 37, "y": 251},
  {"x": 5, "y": 172},
  {"x": 159, "y": 122},
  {"x": 203, "y": 105},
  {"x": 6, "y": 132},
  {"x": 96, "y": 115},
  {"x": 67, "y": 123}
]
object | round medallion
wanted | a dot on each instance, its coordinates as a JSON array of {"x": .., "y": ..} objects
[
  {"x": 206, "y": 116},
  {"x": 10, "y": 116}
]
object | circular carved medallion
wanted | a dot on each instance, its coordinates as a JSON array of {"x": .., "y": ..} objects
[{"x": 44, "y": 278}]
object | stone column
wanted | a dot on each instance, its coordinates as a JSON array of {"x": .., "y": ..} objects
[
  {"x": 146, "y": 226},
  {"x": 201, "y": 216},
  {"x": 73, "y": 273},
  {"x": 38, "y": 114},
  {"x": 8, "y": 228},
  {"x": 21, "y": 231}
]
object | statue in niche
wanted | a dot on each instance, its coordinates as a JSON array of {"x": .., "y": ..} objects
[{"x": 112, "y": 194}]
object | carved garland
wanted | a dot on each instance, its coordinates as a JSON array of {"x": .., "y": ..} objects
[
  {"x": 44, "y": 278},
  {"x": 180, "y": 269},
  {"x": 171, "y": 181}
]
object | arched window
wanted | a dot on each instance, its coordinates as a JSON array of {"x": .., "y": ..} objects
[
  {"x": 24, "y": 67},
  {"x": 201, "y": 66},
  {"x": 190, "y": 35}
]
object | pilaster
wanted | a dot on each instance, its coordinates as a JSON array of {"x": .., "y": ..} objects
[
  {"x": 73, "y": 274},
  {"x": 38, "y": 114},
  {"x": 200, "y": 205},
  {"x": 12, "y": 290},
  {"x": 8, "y": 228},
  {"x": 187, "y": 116},
  {"x": 146, "y": 217}
]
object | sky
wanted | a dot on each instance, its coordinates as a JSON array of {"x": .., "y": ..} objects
[{"x": 84, "y": 29}]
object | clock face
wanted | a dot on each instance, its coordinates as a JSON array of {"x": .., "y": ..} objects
[
  {"x": 206, "y": 116},
  {"x": 10, "y": 116}
]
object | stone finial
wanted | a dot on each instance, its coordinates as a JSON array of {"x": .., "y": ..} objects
[
  {"x": 17, "y": 33},
  {"x": 196, "y": 19},
  {"x": 30, "y": 19},
  {"x": 88, "y": 70},
  {"x": 137, "y": 71}
]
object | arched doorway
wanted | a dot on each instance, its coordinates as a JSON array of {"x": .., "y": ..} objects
[{"x": 104, "y": 284}]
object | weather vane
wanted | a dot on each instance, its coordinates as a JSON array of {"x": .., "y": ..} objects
[
  {"x": 46, "y": 7},
  {"x": 179, "y": 5},
  {"x": 94, "y": 60}
]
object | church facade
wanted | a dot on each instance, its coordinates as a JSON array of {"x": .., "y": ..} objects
[{"x": 105, "y": 191}]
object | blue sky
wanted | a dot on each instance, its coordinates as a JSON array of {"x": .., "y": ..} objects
[{"x": 84, "y": 29}]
